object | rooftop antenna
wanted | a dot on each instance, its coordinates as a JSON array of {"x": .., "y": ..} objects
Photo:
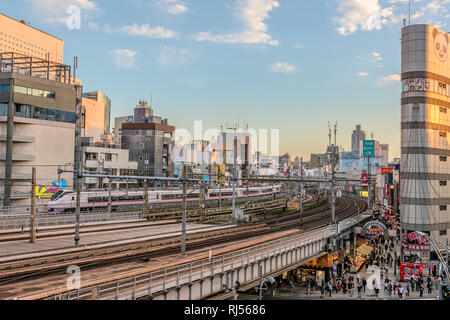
[
  {"x": 409, "y": 12},
  {"x": 335, "y": 131},
  {"x": 329, "y": 133}
]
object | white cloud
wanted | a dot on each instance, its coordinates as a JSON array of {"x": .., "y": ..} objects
[
  {"x": 299, "y": 46},
  {"x": 363, "y": 14},
  {"x": 284, "y": 67},
  {"x": 174, "y": 7},
  {"x": 55, "y": 11},
  {"x": 362, "y": 74},
  {"x": 144, "y": 30},
  {"x": 252, "y": 13},
  {"x": 147, "y": 31},
  {"x": 124, "y": 58},
  {"x": 386, "y": 80}
]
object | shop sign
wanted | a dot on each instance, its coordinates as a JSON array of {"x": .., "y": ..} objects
[
  {"x": 407, "y": 270},
  {"x": 374, "y": 224},
  {"x": 387, "y": 170},
  {"x": 414, "y": 236},
  {"x": 418, "y": 247}
]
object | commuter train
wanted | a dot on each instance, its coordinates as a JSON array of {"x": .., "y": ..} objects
[{"x": 64, "y": 201}]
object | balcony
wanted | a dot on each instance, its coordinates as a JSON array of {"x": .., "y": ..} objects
[
  {"x": 90, "y": 180},
  {"x": 91, "y": 164}
]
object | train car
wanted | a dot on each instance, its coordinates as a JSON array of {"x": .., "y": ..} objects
[{"x": 65, "y": 201}]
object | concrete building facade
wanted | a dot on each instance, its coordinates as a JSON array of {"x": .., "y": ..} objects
[
  {"x": 150, "y": 142},
  {"x": 96, "y": 114},
  {"x": 357, "y": 137},
  {"x": 16, "y": 36},
  {"x": 425, "y": 171},
  {"x": 37, "y": 129}
]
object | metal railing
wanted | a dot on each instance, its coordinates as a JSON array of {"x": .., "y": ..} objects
[{"x": 147, "y": 284}]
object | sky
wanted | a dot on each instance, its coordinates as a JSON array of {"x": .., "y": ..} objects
[{"x": 292, "y": 65}]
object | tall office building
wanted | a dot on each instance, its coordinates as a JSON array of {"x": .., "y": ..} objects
[
  {"x": 18, "y": 37},
  {"x": 384, "y": 154},
  {"x": 357, "y": 137},
  {"x": 425, "y": 171},
  {"x": 96, "y": 114}
]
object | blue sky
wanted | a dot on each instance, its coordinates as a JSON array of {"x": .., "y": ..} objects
[{"x": 291, "y": 65}]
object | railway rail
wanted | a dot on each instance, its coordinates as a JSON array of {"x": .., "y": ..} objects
[{"x": 15, "y": 270}]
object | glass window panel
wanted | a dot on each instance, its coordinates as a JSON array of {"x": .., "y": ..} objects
[{"x": 19, "y": 89}]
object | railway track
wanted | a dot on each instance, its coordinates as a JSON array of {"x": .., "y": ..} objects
[{"x": 15, "y": 270}]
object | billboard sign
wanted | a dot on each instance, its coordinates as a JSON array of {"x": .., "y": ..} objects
[
  {"x": 371, "y": 148},
  {"x": 408, "y": 270},
  {"x": 364, "y": 178},
  {"x": 387, "y": 170}
]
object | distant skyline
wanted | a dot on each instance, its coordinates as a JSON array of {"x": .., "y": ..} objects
[{"x": 291, "y": 65}]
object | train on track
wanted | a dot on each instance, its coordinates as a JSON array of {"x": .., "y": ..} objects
[{"x": 65, "y": 201}]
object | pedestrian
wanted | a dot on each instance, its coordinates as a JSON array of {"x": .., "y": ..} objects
[
  {"x": 381, "y": 274},
  {"x": 413, "y": 283},
  {"x": 364, "y": 283},
  {"x": 358, "y": 278},
  {"x": 408, "y": 287},
  {"x": 359, "y": 290},
  {"x": 421, "y": 290},
  {"x": 430, "y": 287},
  {"x": 330, "y": 288},
  {"x": 400, "y": 291}
]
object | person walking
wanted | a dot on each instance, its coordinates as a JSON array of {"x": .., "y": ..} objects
[
  {"x": 364, "y": 283},
  {"x": 330, "y": 288},
  {"x": 430, "y": 287},
  {"x": 400, "y": 291},
  {"x": 421, "y": 290},
  {"x": 408, "y": 287},
  {"x": 359, "y": 290},
  {"x": 358, "y": 278}
]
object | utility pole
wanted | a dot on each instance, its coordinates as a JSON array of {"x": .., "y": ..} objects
[
  {"x": 77, "y": 213},
  {"x": 368, "y": 184},
  {"x": 33, "y": 206},
  {"x": 220, "y": 190},
  {"x": 234, "y": 176},
  {"x": 200, "y": 201},
  {"x": 59, "y": 177},
  {"x": 77, "y": 161},
  {"x": 145, "y": 209},
  {"x": 109, "y": 192},
  {"x": 183, "y": 218},
  {"x": 301, "y": 193}
]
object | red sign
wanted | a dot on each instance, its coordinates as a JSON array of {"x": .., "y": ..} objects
[
  {"x": 387, "y": 170},
  {"x": 407, "y": 270},
  {"x": 364, "y": 178}
]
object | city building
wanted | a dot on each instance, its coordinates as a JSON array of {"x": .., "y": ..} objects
[
  {"x": 118, "y": 124},
  {"x": 150, "y": 141},
  {"x": 21, "y": 38},
  {"x": 357, "y": 137},
  {"x": 96, "y": 114},
  {"x": 224, "y": 151},
  {"x": 384, "y": 154},
  {"x": 106, "y": 157},
  {"x": 317, "y": 161},
  {"x": 425, "y": 171},
  {"x": 37, "y": 125}
]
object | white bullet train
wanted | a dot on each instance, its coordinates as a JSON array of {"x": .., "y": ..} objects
[{"x": 64, "y": 200}]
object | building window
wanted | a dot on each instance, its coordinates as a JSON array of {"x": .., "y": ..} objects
[
  {"x": 3, "y": 109},
  {"x": 108, "y": 157},
  {"x": 32, "y": 112},
  {"x": 443, "y": 134},
  {"x": 35, "y": 92},
  {"x": 443, "y": 183},
  {"x": 4, "y": 88},
  {"x": 443, "y": 208},
  {"x": 443, "y": 158},
  {"x": 443, "y": 110},
  {"x": 443, "y": 232}
]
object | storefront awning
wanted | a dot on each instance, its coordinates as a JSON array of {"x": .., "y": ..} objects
[{"x": 364, "y": 249}]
